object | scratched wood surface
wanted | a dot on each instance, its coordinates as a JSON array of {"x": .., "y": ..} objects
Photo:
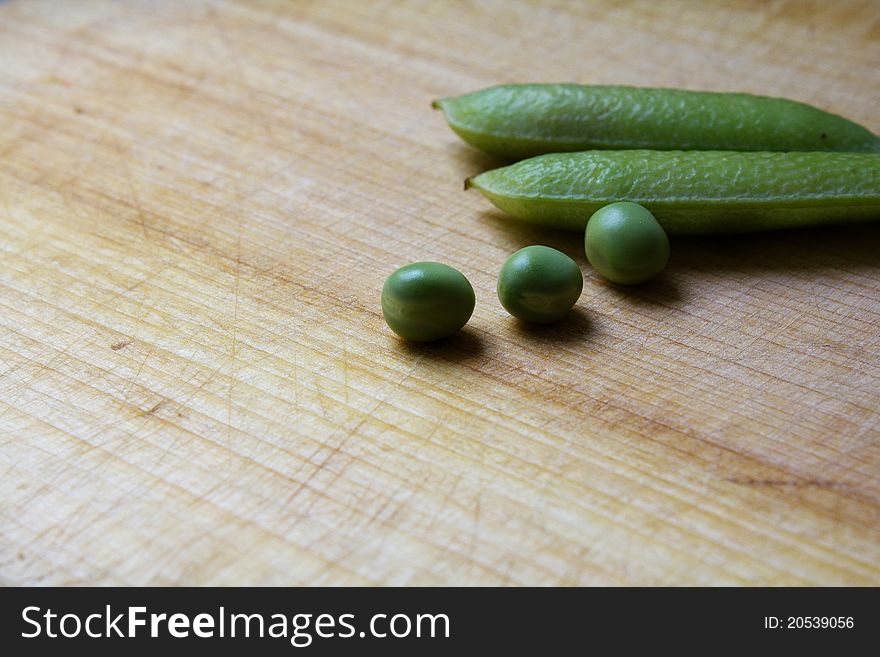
[{"x": 199, "y": 203}]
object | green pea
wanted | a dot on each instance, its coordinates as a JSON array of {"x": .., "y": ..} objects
[
  {"x": 539, "y": 284},
  {"x": 523, "y": 120},
  {"x": 625, "y": 244},
  {"x": 691, "y": 192},
  {"x": 427, "y": 301}
]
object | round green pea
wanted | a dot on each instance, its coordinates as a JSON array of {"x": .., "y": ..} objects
[
  {"x": 626, "y": 244},
  {"x": 539, "y": 284},
  {"x": 427, "y": 301}
]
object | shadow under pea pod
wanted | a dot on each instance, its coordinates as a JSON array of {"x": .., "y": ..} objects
[
  {"x": 516, "y": 234},
  {"x": 851, "y": 249},
  {"x": 460, "y": 347},
  {"x": 472, "y": 160}
]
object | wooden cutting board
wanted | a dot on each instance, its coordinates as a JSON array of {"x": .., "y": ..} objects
[{"x": 199, "y": 203}]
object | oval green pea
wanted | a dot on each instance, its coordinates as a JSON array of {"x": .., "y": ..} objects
[
  {"x": 427, "y": 301},
  {"x": 690, "y": 192},
  {"x": 625, "y": 244},
  {"x": 524, "y": 120},
  {"x": 539, "y": 284}
]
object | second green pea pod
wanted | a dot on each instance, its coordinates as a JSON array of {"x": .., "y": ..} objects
[{"x": 691, "y": 192}]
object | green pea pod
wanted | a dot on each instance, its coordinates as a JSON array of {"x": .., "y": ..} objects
[
  {"x": 523, "y": 120},
  {"x": 691, "y": 192}
]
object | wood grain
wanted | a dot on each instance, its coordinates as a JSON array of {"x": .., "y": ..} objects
[{"x": 199, "y": 204}]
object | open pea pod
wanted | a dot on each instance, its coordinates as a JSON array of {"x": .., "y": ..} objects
[
  {"x": 523, "y": 120},
  {"x": 691, "y": 192}
]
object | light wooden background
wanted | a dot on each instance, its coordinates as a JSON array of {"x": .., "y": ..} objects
[{"x": 199, "y": 203}]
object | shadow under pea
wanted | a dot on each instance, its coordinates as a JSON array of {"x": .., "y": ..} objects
[
  {"x": 662, "y": 290},
  {"x": 575, "y": 327},
  {"x": 460, "y": 347}
]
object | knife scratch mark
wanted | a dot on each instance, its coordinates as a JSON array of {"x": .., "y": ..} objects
[
  {"x": 233, "y": 373},
  {"x": 235, "y": 57},
  {"x": 132, "y": 190},
  {"x": 394, "y": 388},
  {"x": 136, "y": 376},
  {"x": 788, "y": 483},
  {"x": 478, "y": 510}
]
